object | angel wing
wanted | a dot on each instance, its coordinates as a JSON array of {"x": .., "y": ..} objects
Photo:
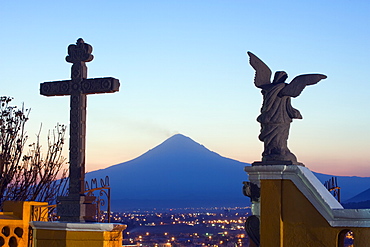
[
  {"x": 296, "y": 86},
  {"x": 263, "y": 72}
]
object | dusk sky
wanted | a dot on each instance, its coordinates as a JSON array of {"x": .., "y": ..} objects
[{"x": 183, "y": 69}]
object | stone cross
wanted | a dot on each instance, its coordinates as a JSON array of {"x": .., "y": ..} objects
[{"x": 73, "y": 207}]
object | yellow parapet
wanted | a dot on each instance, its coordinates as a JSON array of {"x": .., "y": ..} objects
[
  {"x": 14, "y": 222},
  {"x": 61, "y": 234},
  {"x": 295, "y": 209},
  {"x": 18, "y": 216}
]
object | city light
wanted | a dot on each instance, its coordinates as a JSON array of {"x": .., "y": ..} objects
[{"x": 212, "y": 227}]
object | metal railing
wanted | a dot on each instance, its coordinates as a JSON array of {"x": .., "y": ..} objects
[
  {"x": 101, "y": 192},
  {"x": 332, "y": 186},
  {"x": 102, "y": 195}
]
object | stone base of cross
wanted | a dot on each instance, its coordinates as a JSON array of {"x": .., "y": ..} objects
[{"x": 76, "y": 207}]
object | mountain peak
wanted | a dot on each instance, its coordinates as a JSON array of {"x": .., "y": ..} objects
[
  {"x": 179, "y": 138},
  {"x": 180, "y": 143}
]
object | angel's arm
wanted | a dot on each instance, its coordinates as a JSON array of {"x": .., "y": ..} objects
[
  {"x": 263, "y": 72},
  {"x": 295, "y": 88}
]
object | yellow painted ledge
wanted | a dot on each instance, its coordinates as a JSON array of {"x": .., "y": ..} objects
[{"x": 61, "y": 234}]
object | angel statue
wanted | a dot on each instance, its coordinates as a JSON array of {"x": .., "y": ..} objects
[{"x": 277, "y": 112}]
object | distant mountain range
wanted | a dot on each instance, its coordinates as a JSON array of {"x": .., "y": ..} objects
[{"x": 181, "y": 173}]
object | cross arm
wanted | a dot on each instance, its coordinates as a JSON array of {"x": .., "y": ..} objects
[
  {"x": 55, "y": 88},
  {"x": 100, "y": 85},
  {"x": 87, "y": 86}
]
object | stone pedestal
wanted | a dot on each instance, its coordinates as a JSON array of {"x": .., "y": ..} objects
[
  {"x": 76, "y": 208},
  {"x": 284, "y": 163},
  {"x": 62, "y": 234}
]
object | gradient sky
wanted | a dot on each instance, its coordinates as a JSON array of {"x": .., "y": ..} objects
[{"x": 183, "y": 69}]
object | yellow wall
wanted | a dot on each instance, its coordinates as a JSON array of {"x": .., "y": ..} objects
[
  {"x": 271, "y": 231},
  {"x": 57, "y": 238},
  {"x": 289, "y": 219},
  {"x": 14, "y": 223}
]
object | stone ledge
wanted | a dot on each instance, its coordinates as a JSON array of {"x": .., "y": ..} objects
[
  {"x": 314, "y": 191},
  {"x": 89, "y": 227}
]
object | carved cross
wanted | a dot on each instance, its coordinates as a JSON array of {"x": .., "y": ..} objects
[{"x": 78, "y": 88}]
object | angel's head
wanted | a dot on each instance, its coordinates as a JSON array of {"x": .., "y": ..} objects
[{"x": 280, "y": 77}]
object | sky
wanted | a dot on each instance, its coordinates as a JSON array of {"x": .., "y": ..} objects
[{"x": 183, "y": 69}]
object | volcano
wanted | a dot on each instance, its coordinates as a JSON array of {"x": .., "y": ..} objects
[{"x": 178, "y": 173}]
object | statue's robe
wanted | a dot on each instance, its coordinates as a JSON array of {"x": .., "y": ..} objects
[{"x": 276, "y": 115}]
